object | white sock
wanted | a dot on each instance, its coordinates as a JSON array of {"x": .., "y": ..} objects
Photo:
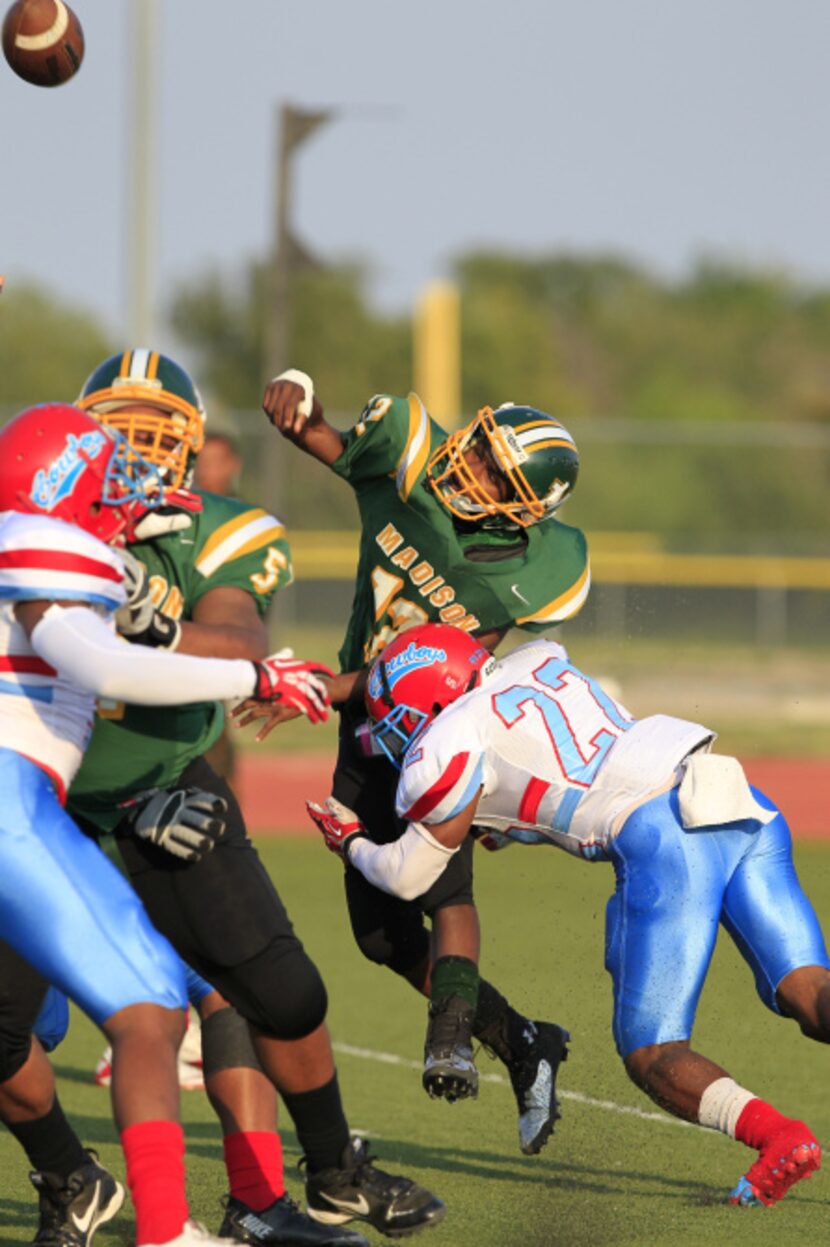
[{"x": 721, "y": 1105}]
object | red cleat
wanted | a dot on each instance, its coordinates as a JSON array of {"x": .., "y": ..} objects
[{"x": 792, "y": 1154}]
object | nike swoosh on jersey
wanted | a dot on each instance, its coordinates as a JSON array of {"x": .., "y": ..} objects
[
  {"x": 83, "y": 1223},
  {"x": 520, "y": 596},
  {"x": 360, "y": 1205}
]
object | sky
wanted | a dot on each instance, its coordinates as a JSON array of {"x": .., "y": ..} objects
[{"x": 663, "y": 130}]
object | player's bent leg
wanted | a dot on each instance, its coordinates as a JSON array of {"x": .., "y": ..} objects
[
  {"x": 449, "y": 1069},
  {"x": 144, "y": 1039},
  {"x": 804, "y": 995},
  {"x": 387, "y": 930},
  {"x": 673, "y": 1076}
]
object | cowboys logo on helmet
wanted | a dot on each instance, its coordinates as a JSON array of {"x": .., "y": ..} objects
[
  {"x": 153, "y": 402},
  {"x": 536, "y": 455}
]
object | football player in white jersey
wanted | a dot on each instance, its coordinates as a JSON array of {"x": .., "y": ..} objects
[
  {"x": 533, "y": 750},
  {"x": 69, "y": 490}
]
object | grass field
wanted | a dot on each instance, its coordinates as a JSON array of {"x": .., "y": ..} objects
[{"x": 609, "y": 1176}]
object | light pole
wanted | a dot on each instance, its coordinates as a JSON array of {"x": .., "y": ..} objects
[
  {"x": 287, "y": 257},
  {"x": 141, "y": 174}
]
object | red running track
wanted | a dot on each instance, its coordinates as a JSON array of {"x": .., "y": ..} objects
[{"x": 274, "y": 787}]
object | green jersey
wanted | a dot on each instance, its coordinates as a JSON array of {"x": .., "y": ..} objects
[
  {"x": 417, "y": 565},
  {"x": 229, "y": 544}
]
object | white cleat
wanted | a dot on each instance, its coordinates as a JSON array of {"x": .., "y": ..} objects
[{"x": 193, "y": 1234}]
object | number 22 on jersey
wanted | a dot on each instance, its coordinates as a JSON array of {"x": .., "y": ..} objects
[{"x": 582, "y": 721}]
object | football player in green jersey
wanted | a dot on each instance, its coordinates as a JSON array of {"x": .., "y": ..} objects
[
  {"x": 458, "y": 529},
  {"x": 203, "y": 588}
]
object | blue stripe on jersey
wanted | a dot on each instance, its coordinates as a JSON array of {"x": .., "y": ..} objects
[
  {"x": 33, "y": 594},
  {"x": 35, "y": 692},
  {"x": 476, "y": 780},
  {"x": 566, "y": 810}
]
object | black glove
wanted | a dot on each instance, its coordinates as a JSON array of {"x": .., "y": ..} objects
[
  {"x": 139, "y": 620},
  {"x": 187, "y": 822}
]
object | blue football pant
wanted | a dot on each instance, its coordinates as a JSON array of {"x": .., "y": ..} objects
[
  {"x": 67, "y": 911},
  {"x": 674, "y": 888}
]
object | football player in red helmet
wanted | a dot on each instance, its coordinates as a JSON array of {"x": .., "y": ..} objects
[
  {"x": 202, "y": 587},
  {"x": 67, "y": 482},
  {"x": 543, "y": 754}
]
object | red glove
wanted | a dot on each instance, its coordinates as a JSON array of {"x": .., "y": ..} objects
[
  {"x": 339, "y": 826},
  {"x": 284, "y": 678}
]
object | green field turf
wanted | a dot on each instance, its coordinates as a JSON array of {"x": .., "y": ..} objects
[{"x": 607, "y": 1177}]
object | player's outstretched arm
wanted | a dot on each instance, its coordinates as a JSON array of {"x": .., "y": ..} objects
[
  {"x": 408, "y": 866},
  {"x": 347, "y": 686},
  {"x": 290, "y": 404},
  {"x": 79, "y": 645}
]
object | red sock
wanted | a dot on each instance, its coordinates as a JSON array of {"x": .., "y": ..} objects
[
  {"x": 154, "y": 1151},
  {"x": 253, "y": 1159},
  {"x": 758, "y": 1123}
]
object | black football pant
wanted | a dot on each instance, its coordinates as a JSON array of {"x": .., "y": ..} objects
[
  {"x": 224, "y": 917},
  {"x": 388, "y": 930}
]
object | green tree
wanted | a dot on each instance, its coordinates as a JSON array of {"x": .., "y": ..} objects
[{"x": 47, "y": 348}]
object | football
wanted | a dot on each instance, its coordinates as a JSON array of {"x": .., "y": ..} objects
[{"x": 43, "y": 41}]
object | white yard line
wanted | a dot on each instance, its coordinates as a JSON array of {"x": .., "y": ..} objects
[{"x": 608, "y": 1106}]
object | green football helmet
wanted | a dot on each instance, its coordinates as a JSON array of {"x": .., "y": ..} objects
[
  {"x": 122, "y": 388},
  {"x": 536, "y": 455}
]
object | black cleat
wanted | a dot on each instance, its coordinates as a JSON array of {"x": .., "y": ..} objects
[
  {"x": 283, "y": 1224},
  {"x": 358, "y": 1191},
  {"x": 533, "y": 1078},
  {"x": 73, "y": 1208},
  {"x": 449, "y": 1070}
]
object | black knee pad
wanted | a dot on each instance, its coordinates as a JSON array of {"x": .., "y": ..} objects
[
  {"x": 279, "y": 991},
  {"x": 15, "y": 1047},
  {"x": 227, "y": 1043}
]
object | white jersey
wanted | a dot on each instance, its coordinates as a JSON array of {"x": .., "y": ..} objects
[
  {"x": 557, "y": 759},
  {"x": 42, "y": 716}
]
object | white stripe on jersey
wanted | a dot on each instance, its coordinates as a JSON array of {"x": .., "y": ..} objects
[{"x": 208, "y": 563}]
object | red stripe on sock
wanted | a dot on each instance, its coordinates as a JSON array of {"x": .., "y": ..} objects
[
  {"x": 253, "y": 1159},
  {"x": 154, "y": 1152}
]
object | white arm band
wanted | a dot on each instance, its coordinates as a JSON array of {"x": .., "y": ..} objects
[
  {"x": 83, "y": 649},
  {"x": 407, "y": 867}
]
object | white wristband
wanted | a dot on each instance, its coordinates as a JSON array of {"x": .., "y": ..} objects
[{"x": 303, "y": 379}]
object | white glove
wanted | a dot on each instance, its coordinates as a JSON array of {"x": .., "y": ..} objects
[
  {"x": 139, "y": 619},
  {"x": 187, "y": 822},
  {"x": 137, "y": 615},
  {"x": 159, "y": 524}
]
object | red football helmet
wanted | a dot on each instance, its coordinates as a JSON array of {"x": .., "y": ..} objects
[
  {"x": 415, "y": 677},
  {"x": 57, "y": 461}
]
